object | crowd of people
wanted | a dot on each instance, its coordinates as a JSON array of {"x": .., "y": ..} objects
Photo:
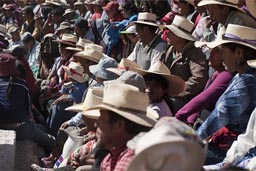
[{"x": 116, "y": 85}]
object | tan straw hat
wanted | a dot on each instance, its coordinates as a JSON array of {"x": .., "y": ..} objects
[
  {"x": 124, "y": 65},
  {"x": 251, "y": 5},
  {"x": 75, "y": 71},
  {"x": 230, "y": 3},
  {"x": 90, "y": 53},
  {"x": 79, "y": 45},
  {"x": 236, "y": 34},
  {"x": 169, "y": 145},
  {"x": 127, "y": 101},
  {"x": 93, "y": 97},
  {"x": 181, "y": 27},
  {"x": 176, "y": 85},
  {"x": 68, "y": 39},
  {"x": 147, "y": 19}
]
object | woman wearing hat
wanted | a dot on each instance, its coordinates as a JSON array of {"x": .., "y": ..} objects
[
  {"x": 233, "y": 109},
  {"x": 15, "y": 106},
  {"x": 184, "y": 59}
]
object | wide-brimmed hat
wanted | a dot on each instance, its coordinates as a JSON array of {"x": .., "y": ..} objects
[
  {"x": 90, "y": 53},
  {"x": 237, "y": 34},
  {"x": 75, "y": 71},
  {"x": 169, "y": 145},
  {"x": 97, "y": 2},
  {"x": 55, "y": 2},
  {"x": 68, "y": 39},
  {"x": 94, "y": 97},
  {"x": 81, "y": 43},
  {"x": 181, "y": 27},
  {"x": 7, "y": 65},
  {"x": 124, "y": 65},
  {"x": 12, "y": 29},
  {"x": 68, "y": 11},
  {"x": 251, "y": 5},
  {"x": 230, "y": 3},
  {"x": 252, "y": 63},
  {"x": 64, "y": 25},
  {"x": 79, "y": 2},
  {"x": 176, "y": 85},
  {"x": 129, "y": 102},
  {"x": 131, "y": 78},
  {"x": 99, "y": 70},
  {"x": 3, "y": 31},
  {"x": 129, "y": 30},
  {"x": 146, "y": 18}
]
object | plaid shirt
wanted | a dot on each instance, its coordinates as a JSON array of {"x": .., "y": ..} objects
[{"x": 118, "y": 160}]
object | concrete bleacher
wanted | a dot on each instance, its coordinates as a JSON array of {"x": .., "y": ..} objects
[{"x": 17, "y": 155}]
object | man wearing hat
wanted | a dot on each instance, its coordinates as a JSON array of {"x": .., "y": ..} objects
[
  {"x": 147, "y": 50},
  {"x": 83, "y": 30},
  {"x": 184, "y": 59},
  {"x": 123, "y": 114},
  {"x": 15, "y": 36}
]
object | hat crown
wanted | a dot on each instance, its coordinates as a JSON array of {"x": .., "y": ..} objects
[
  {"x": 93, "y": 53},
  {"x": 160, "y": 68},
  {"x": 82, "y": 42},
  {"x": 69, "y": 38},
  {"x": 147, "y": 17},
  {"x": 127, "y": 64},
  {"x": 76, "y": 67},
  {"x": 95, "y": 46},
  {"x": 125, "y": 97},
  {"x": 93, "y": 97},
  {"x": 107, "y": 62},
  {"x": 3, "y": 29},
  {"x": 183, "y": 23},
  {"x": 240, "y": 33}
]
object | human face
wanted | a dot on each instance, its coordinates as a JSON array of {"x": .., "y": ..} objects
[
  {"x": 126, "y": 13},
  {"x": 140, "y": 32},
  {"x": 105, "y": 132},
  {"x": 215, "y": 59},
  {"x": 15, "y": 36},
  {"x": 229, "y": 59},
  {"x": 183, "y": 8},
  {"x": 154, "y": 90},
  {"x": 216, "y": 13},
  {"x": 172, "y": 39}
]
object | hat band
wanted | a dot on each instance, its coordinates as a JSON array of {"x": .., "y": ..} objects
[
  {"x": 151, "y": 21},
  {"x": 122, "y": 68},
  {"x": 228, "y": 36},
  {"x": 182, "y": 29},
  {"x": 125, "y": 109},
  {"x": 73, "y": 72}
]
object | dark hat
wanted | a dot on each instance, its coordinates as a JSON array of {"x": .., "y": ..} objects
[
  {"x": 81, "y": 23},
  {"x": 7, "y": 65}
]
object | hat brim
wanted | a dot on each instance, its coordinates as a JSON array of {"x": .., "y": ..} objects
[
  {"x": 75, "y": 49},
  {"x": 221, "y": 42},
  {"x": 116, "y": 71},
  {"x": 92, "y": 114},
  {"x": 214, "y": 2},
  {"x": 83, "y": 55},
  {"x": 178, "y": 32},
  {"x": 251, "y": 5},
  {"x": 76, "y": 108},
  {"x": 95, "y": 70},
  {"x": 145, "y": 23},
  {"x": 192, "y": 159},
  {"x": 65, "y": 42},
  {"x": 6, "y": 35},
  {"x": 252, "y": 63},
  {"x": 139, "y": 118},
  {"x": 176, "y": 85}
]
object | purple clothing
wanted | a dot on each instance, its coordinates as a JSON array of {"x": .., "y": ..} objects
[{"x": 214, "y": 88}]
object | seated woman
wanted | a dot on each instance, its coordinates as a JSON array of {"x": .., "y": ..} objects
[
  {"x": 15, "y": 106},
  {"x": 160, "y": 84},
  {"x": 215, "y": 87},
  {"x": 233, "y": 109}
]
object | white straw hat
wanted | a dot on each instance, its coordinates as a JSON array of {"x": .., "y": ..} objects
[{"x": 75, "y": 71}]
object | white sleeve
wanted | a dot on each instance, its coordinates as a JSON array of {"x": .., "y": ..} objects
[
  {"x": 157, "y": 54},
  {"x": 243, "y": 143}
]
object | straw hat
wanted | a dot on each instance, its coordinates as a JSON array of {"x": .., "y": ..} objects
[
  {"x": 181, "y": 27},
  {"x": 64, "y": 25},
  {"x": 169, "y": 145},
  {"x": 93, "y": 97},
  {"x": 176, "y": 85},
  {"x": 127, "y": 101},
  {"x": 56, "y": 2},
  {"x": 79, "y": 45},
  {"x": 236, "y": 34},
  {"x": 3, "y": 31},
  {"x": 252, "y": 63},
  {"x": 124, "y": 65},
  {"x": 90, "y": 53},
  {"x": 230, "y": 3},
  {"x": 130, "y": 30},
  {"x": 75, "y": 71},
  {"x": 12, "y": 29},
  {"x": 99, "y": 70},
  {"x": 147, "y": 19},
  {"x": 79, "y": 2},
  {"x": 97, "y": 2},
  {"x": 251, "y": 5},
  {"x": 7, "y": 65},
  {"x": 68, "y": 39},
  {"x": 131, "y": 78},
  {"x": 68, "y": 11}
]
